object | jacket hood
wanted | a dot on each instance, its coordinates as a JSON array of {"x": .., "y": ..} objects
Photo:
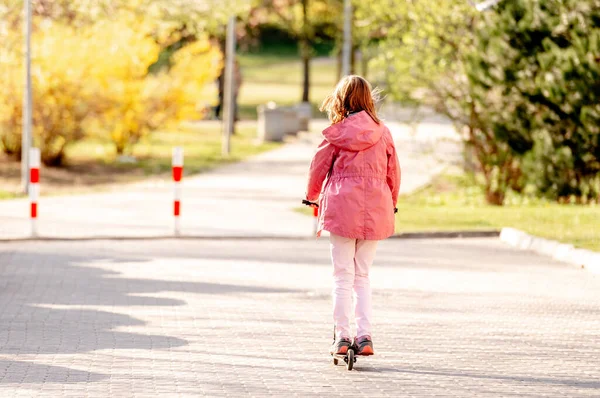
[{"x": 355, "y": 133}]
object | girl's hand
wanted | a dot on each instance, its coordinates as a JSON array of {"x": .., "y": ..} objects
[{"x": 309, "y": 203}]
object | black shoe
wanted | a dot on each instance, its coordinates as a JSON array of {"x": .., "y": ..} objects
[
  {"x": 340, "y": 347},
  {"x": 363, "y": 345}
]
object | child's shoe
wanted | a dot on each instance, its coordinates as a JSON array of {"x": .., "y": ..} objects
[
  {"x": 340, "y": 347},
  {"x": 363, "y": 345}
]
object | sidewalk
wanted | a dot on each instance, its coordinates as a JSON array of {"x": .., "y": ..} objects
[
  {"x": 222, "y": 318},
  {"x": 249, "y": 199}
]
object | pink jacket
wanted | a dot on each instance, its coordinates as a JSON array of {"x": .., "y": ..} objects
[{"x": 359, "y": 158}]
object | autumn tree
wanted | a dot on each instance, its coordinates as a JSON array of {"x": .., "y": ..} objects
[{"x": 91, "y": 73}]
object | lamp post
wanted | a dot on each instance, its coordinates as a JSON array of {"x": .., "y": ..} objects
[
  {"x": 228, "y": 100},
  {"x": 347, "y": 47},
  {"x": 27, "y": 100}
]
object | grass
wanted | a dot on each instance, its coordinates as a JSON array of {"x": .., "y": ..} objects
[
  {"x": 270, "y": 77},
  {"x": 201, "y": 142},
  {"x": 455, "y": 203},
  {"x": 9, "y": 195},
  {"x": 92, "y": 163}
]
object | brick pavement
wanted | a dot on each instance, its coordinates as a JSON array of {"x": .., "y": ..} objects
[{"x": 252, "y": 318}]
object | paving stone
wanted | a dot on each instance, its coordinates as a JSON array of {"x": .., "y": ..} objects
[{"x": 236, "y": 318}]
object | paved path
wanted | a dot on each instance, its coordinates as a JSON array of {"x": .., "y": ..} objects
[
  {"x": 460, "y": 318},
  {"x": 253, "y": 198}
]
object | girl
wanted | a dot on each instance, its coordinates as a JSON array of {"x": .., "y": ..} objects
[{"x": 357, "y": 204}]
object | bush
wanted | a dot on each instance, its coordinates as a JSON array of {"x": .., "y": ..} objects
[
  {"x": 60, "y": 93},
  {"x": 424, "y": 56},
  {"x": 95, "y": 80},
  {"x": 542, "y": 60},
  {"x": 522, "y": 82},
  {"x": 137, "y": 105}
]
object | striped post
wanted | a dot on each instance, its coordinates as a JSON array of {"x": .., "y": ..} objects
[
  {"x": 34, "y": 187},
  {"x": 177, "y": 175},
  {"x": 316, "y": 219}
]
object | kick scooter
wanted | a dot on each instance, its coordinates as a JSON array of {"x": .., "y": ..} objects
[{"x": 349, "y": 357}]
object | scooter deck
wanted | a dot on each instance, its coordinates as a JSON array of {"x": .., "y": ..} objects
[{"x": 349, "y": 358}]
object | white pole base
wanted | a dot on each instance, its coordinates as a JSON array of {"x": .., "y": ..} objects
[
  {"x": 177, "y": 226},
  {"x": 34, "y": 228}
]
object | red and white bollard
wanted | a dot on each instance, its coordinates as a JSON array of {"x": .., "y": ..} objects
[
  {"x": 34, "y": 187},
  {"x": 316, "y": 220},
  {"x": 177, "y": 176}
]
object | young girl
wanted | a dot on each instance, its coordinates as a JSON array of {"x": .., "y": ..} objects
[{"x": 357, "y": 204}]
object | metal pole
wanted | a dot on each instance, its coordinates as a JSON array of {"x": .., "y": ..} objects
[
  {"x": 228, "y": 101},
  {"x": 347, "y": 47},
  {"x": 27, "y": 100}
]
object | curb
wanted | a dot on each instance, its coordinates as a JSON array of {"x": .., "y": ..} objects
[
  {"x": 559, "y": 251},
  {"x": 153, "y": 237},
  {"x": 404, "y": 235},
  {"x": 492, "y": 233}
]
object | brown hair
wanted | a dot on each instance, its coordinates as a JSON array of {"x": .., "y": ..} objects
[{"x": 352, "y": 94}]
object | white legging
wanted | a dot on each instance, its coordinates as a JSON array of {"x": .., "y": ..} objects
[{"x": 352, "y": 259}]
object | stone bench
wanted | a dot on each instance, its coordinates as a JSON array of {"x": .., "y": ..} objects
[{"x": 275, "y": 122}]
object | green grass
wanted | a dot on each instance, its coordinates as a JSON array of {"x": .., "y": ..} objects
[
  {"x": 92, "y": 163},
  {"x": 9, "y": 195},
  {"x": 201, "y": 143},
  {"x": 269, "y": 77},
  {"x": 456, "y": 203}
]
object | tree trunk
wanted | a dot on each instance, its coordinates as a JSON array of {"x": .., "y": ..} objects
[
  {"x": 339, "y": 64},
  {"x": 306, "y": 81},
  {"x": 305, "y": 50},
  {"x": 495, "y": 198},
  {"x": 221, "y": 83},
  {"x": 364, "y": 60}
]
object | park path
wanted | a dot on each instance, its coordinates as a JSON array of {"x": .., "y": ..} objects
[
  {"x": 237, "y": 318},
  {"x": 252, "y": 317},
  {"x": 256, "y": 197}
]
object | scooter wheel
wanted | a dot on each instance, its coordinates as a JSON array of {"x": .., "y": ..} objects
[
  {"x": 350, "y": 362},
  {"x": 335, "y": 361}
]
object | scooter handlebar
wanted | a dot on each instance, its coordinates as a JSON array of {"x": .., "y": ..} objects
[{"x": 309, "y": 203}]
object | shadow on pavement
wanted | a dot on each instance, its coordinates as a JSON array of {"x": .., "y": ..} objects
[
  {"x": 518, "y": 379},
  {"x": 34, "y": 283},
  {"x": 474, "y": 253},
  {"x": 22, "y": 372}
]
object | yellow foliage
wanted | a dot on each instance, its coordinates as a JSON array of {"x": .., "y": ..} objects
[
  {"x": 193, "y": 66},
  {"x": 94, "y": 80},
  {"x": 59, "y": 92},
  {"x": 139, "y": 105}
]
